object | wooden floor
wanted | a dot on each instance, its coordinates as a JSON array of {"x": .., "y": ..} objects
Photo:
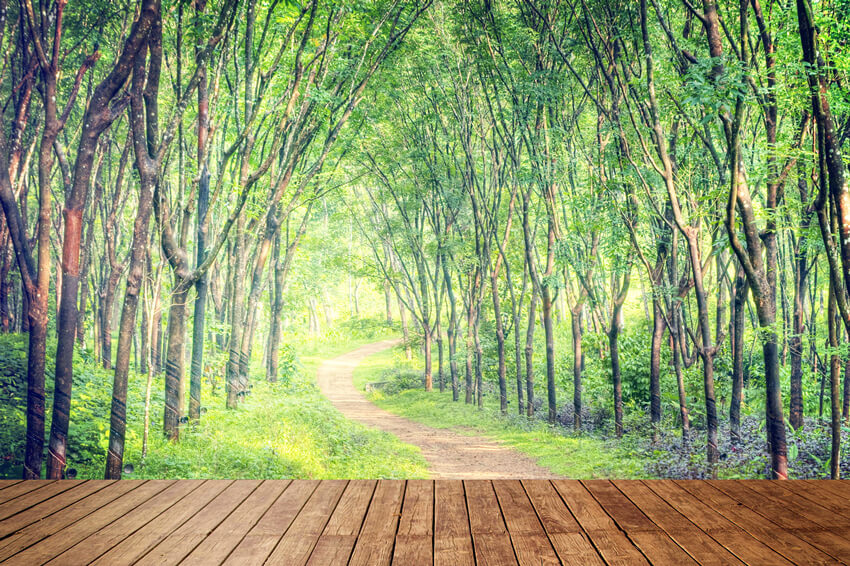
[{"x": 418, "y": 522}]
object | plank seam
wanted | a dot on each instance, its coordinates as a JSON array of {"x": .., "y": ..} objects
[
  {"x": 143, "y": 525},
  {"x": 617, "y": 524},
  {"x": 362, "y": 522},
  {"x": 141, "y": 557}
]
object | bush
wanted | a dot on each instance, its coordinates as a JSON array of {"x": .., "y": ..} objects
[
  {"x": 400, "y": 378},
  {"x": 88, "y": 430}
]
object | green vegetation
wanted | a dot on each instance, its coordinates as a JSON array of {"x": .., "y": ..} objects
[
  {"x": 285, "y": 429},
  {"x": 554, "y": 448}
]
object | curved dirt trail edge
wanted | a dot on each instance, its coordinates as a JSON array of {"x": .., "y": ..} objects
[{"x": 449, "y": 454}]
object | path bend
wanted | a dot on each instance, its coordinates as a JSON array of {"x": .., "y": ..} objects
[{"x": 449, "y": 455}]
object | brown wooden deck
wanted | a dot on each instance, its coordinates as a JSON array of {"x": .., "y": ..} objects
[{"x": 421, "y": 522}]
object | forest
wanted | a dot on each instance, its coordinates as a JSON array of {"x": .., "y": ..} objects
[{"x": 614, "y": 234}]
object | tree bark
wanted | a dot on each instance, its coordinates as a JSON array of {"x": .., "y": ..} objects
[{"x": 742, "y": 287}]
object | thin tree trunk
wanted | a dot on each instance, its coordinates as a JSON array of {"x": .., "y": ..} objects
[
  {"x": 549, "y": 331},
  {"x": 657, "y": 340},
  {"x": 529, "y": 354},
  {"x": 500, "y": 344},
  {"x": 388, "y": 301},
  {"x": 578, "y": 356},
  {"x": 742, "y": 287},
  {"x": 127, "y": 326},
  {"x": 238, "y": 264},
  {"x": 834, "y": 381},
  {"x": 429, "y": 378}
]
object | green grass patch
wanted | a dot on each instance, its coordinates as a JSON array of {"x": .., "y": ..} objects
[
  {"x": 285, "y": 429},
  {"x": 555, "y": 449}
]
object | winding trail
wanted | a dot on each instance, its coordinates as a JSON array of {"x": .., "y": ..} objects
[{"x": 449, "y": 454}]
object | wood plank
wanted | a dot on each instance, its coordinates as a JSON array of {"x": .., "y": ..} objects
[
  {"x": 71, "y": 491},
  {"x": 374, "y": 546},
  {"x": 136, "y": 545},
  {"x": 45, "y": 492},
  {"x": 229, "y": 533},
  {"x": 297, "y": 543},
  {"x": 413, "y": 550},
  {"x": 60, "y": 541},
  {"x": 415, "y": 536},
  {"x": 452, "y": 538},
  {"x": 603, "y": 532},
  {"x": 8, "y": 483},
  {"x": 337, "y": 540},
  {"x": 786, "y": 508},
  {"x": 102, "y": 540},
  {"x": 490, "y": 539},
  {"x": 817, "y": 493},
  {"x": 177, "y": 545},
  {"x": 20, "y": 488},
  {"x": 697, "y": 543},
  {"x": 790, "y": 516},
  {"x": 37, "y": 530},
  {"x": 571, "y": 543},
  {"x": 735, "y": 539},
  {"x": 647, "y": 536},
  {"x": 780, "y": 540},
  {"x": 551, "y": 509},
  {"x": 627, "y": 516},
  {"x": 261, "y": 540},
  {"x": 531, "y": 545},
  {"x": 417, "y": 512},
  {"x": 841, "y": 488}
]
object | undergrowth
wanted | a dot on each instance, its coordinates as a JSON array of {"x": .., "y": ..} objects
[{"x": 282, "y": 430}]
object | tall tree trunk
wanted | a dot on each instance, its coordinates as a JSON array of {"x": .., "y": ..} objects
[
  {"x": 657, "y": 340},
  {"x": 107, "y": 304},
  {"x": 175, "y": 386},
  {"x": 275, "y": 324},
  {"x": 801, "y": 269},
  {"x": 202, "y": 286},
  {"x": 613, "y": 346},
  {"x": 706, "y": 352},
  {"x": 834, "y": 381},
  {"x": 470, "y": 322},
  {"x": 479, "y": 359},
  {"x": 388, "y": 301},
  {"x": 429, "y": 377},
  {"x": 441, "y": 374},
  {"x": 742, "y": 287},
  {"x": 549, "y": 332},
  {"x": 578, "y": 356},
  {"x": 500, "y": 344},
  {"x": 453, "y": 330},
  {"x": 529, "y": 353},
  {"x": 238, "y": 264},
  {"x": 126, "y": 331}
]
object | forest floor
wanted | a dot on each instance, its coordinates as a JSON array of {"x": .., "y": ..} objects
[{"x": 448, "y": 453}]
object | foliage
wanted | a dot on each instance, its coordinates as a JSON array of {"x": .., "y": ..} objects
[{"x": 283, "y": 430}]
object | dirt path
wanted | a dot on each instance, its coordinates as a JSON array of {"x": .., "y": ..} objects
[{"x": 449, "y": 455}]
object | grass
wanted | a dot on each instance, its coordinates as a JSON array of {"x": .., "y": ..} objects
[
  {"x": 282, "y": 430},
  {"x": 563, "y": 454},
  {"x": 285, "y": 430}
]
